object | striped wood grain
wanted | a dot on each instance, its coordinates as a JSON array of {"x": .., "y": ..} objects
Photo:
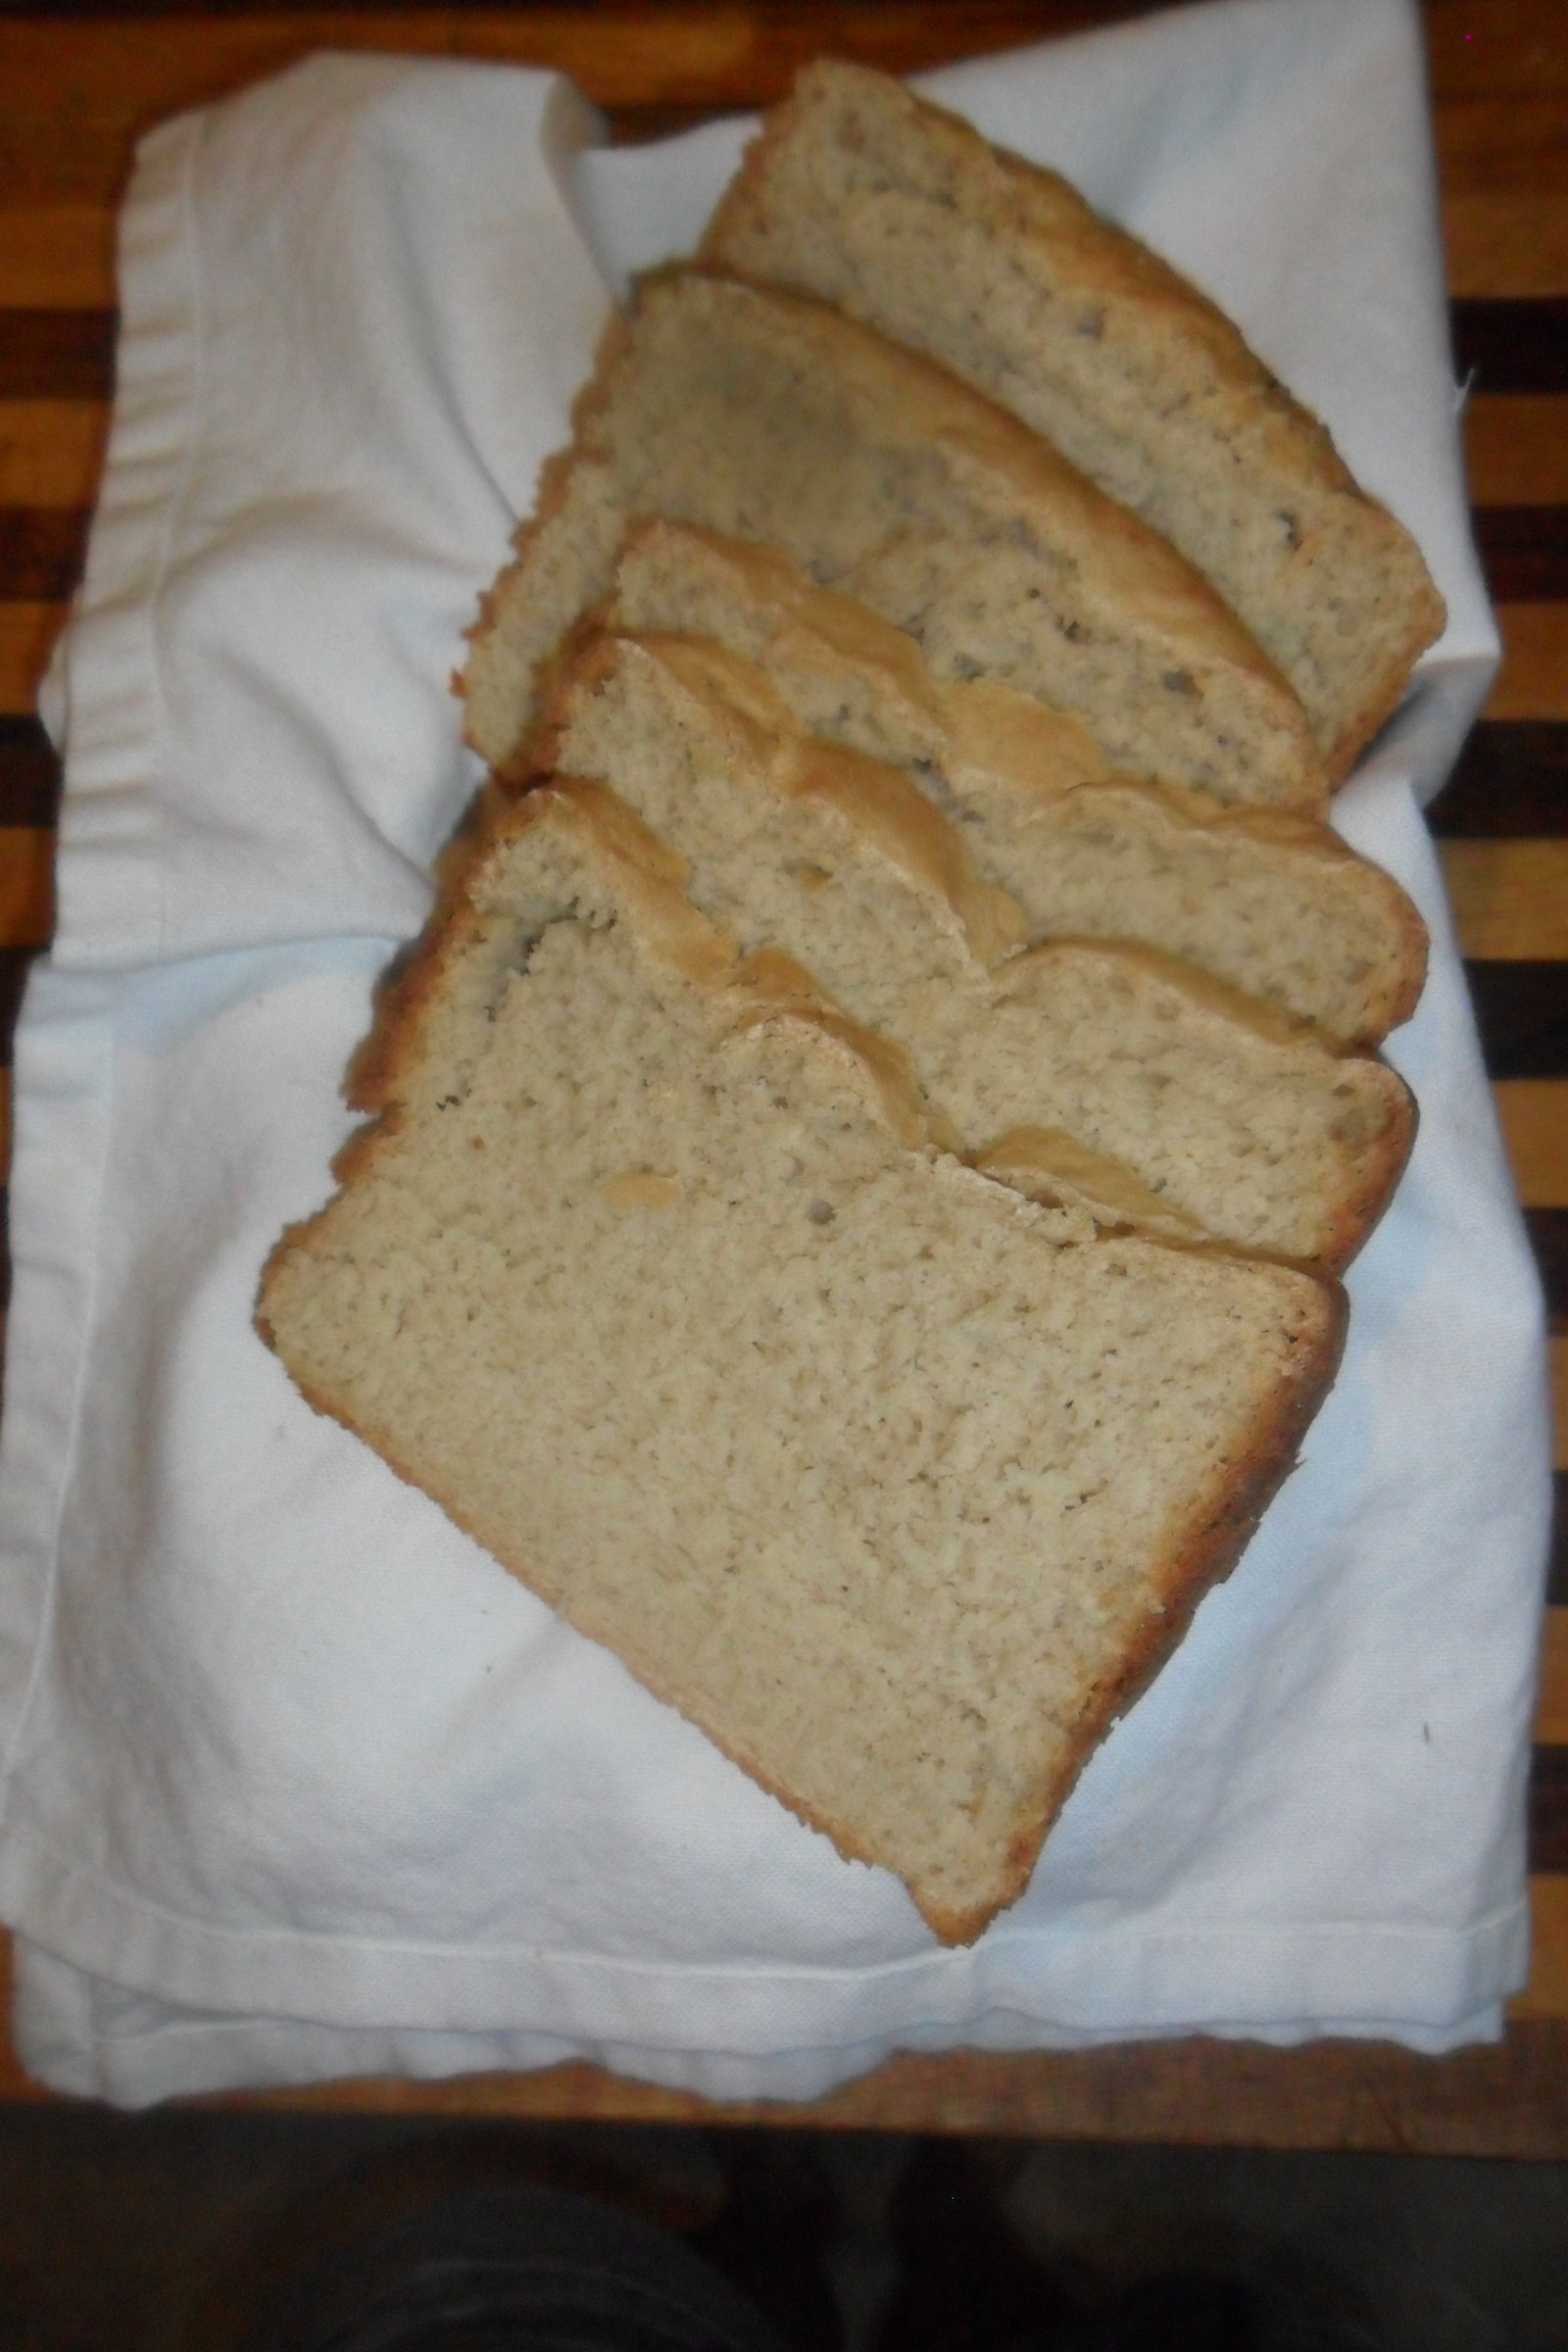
[
  {"x": 1503, "y": 135},
  {"x": 1533, "y": 1115}
]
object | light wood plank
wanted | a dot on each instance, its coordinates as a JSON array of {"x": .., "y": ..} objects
[
  {"x": 1534, "y": 1117},
  {"x": 1504, "y": 242},
  {"x": 1516, "y": 446},
  {"x": 1510, "y": 898},
  {"x": 1533, "y": 682},
  {"x": 1551, "y": 1712},
  {"x": 57, "y": 256},
  {"x": 51, "y": 451},
  {"x": 26, "y": 885},
  {"x": 26, "y": 636},
  {"x": 1546, "y": 1994}
]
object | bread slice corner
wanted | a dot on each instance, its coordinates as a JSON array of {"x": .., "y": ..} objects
[
  {"x": 861, "y": 193},
  {"x": 648, "y": 1271}
]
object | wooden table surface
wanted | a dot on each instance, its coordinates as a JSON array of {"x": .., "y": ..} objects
[{"x": 77, "y": 84}]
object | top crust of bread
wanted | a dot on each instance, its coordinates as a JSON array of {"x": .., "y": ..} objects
[
  {"x": 771, "y": 417},
  {"x": 1261, "y": 1130},
  {"x": 1269, "y": 902},
  {"x": 861, "y": 193}
]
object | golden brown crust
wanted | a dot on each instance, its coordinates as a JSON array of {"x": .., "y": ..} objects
[
  {"x": 1214, "y": 996},
  {"x": 1034, "y": 210},
  {"x": 1428, "y": 619},
  {"x": 1127, "y": 567},
  {"x": 980, "y": 719},
  {"x": 982, "y": 732},
  {"x": 880, "y": 804},
  {"x": 1090, "y": 251},
  {"x": 1141, "y": 569},
  {"x": 1386, "y": 1163},
  {"x": 1383, "y": 1157},
  {"x": 1048, "y": 1164},
  {"x": 1219, "y": 1528},
  {"x": 555, "y": 480}
]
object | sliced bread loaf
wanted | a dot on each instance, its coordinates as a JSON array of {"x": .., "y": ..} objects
[
  {"x": 863, "y": 194},
  {"x": 771, "y": 418},
  {"x": 648, "y": 1275},
  {"x": 1259, "y": 1130},
  {"x": 1275, "y": 905}
]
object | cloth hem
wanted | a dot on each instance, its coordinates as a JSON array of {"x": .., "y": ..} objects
[{"x": 74, "y": 1912}]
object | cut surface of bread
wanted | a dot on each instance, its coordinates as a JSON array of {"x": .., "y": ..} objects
[
  {"x": 1275, "y": 905},
  {"x": 1258, "y": 1132},
  {"x": 773, "y": 419},
  {"x": 866, "y": 196},
  {"x": 646, "y": 1273}
]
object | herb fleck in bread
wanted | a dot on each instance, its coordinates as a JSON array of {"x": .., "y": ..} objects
[
  {"x": 1260, "y": 1131},
  {"x": 772, "y": 418},
  {"x": 865, "y": 195},
  {"x": 649, "y": 1274},
  {"x": 1274, "y": 905}
]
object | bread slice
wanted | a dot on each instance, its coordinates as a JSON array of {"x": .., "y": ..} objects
[
  {"x": 1262, "y": 1132},
  {"x": 866, "y": 196},
  {"x": 646, "y": 1273},
  {"x": 774, "y": 419},
  {"x": 1274, "y": 905}
]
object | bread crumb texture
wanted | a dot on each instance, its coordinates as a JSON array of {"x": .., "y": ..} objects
[
  {"x": 866, "y": 196},
  {"x": 770, "y": 419},
  {"x": 846, "y": 1450},
  {"x": 1273, "y": 903},
  {"x": 1260, "y": 1132}
]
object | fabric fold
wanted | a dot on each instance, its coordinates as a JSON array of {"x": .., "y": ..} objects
[{"x": 297, "y": 1780}]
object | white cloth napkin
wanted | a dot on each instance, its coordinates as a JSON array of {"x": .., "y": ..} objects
[{"x": 297, "y": 1780}]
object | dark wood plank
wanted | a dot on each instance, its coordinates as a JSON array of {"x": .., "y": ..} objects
[
  {"x": 57, "y": 355},
  {"x": 1511, "y": 783},
  {"x": 1522, "y": 1012},
  {"x": 1548, "y": 1809},
  {"x": 1557, "y": 1562},
  {"x": 1549, "y": 1239},
  {"x": 30, "y": 771},
  {"x": 14, "y": 963},
  {"x": 966, "y": 28},
  {"x": 1524, "y": 552},
  {"x": 1514, "y": 345},
  {"x": 41, "y": 552}
]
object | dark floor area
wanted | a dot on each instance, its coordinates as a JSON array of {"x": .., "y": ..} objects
[{"x": 172, "y": 2230}]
